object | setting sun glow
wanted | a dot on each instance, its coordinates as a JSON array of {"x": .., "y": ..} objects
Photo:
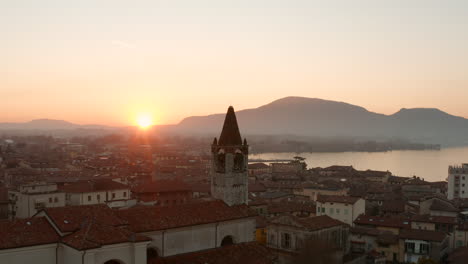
[{"x": 144, "y": 121}]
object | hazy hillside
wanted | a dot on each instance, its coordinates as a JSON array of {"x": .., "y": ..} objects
[
  {"x": 301, "y": 117},
  {"x": 60, "y": 127},
  {"x": 321, "y": 118}
]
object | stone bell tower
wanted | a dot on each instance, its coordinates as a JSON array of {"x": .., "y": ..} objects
[{"x": 229, "y": 174}]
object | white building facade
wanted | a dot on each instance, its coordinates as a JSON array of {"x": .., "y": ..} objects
[
  {"x": 29, "y": 199},
  {"x": 458, "y": 182},
  {"x": 343, "y": 208}
]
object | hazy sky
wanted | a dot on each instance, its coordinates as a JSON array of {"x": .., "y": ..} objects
[{"x": 104, "y": 62}]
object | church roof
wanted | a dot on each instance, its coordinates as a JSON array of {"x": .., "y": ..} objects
[
  {"x": 230, "y": 136},
  {"x": 153, "y": 218}
]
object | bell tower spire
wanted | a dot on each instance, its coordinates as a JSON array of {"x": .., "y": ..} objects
[{"x": 229, "y": 174}]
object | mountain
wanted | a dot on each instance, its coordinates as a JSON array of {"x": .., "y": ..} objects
[
  {"x": 47, "y": 124},
  {"x": 314, "y": 117}
]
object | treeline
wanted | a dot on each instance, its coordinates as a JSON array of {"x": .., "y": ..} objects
[{"x": 337, "y": 145}]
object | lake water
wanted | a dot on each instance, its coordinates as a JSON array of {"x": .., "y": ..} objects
[{"x": 432, "y": 165}]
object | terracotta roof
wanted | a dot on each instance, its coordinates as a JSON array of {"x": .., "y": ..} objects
[
  {"x": 254, "y": 166},
  {"x": 337, "y": 199},
  {"x": 162, "y": 186},
  {"x": 27, "y": 232},
  {"x": 287, "y": 207},
  {"x": 309, "y": 223},
  {"x": 245, "y": 253},
  {"x": 435, "y": 219},
  {"x": 201, "y": 187},
  {"x": 423, "y": 235},
  {"x": 339, "y": 168},
  {"x": 399, "y": 222},
  {"x": 154, "y": 218},
  {"x": 394, "y": 206},
  {"x": 458, "y": 256},
  {"x": 93, "y": 186},
  {"x": 256, "y": 187},
  {"x": 71, "y": 218},
  {"x": 230, "y": 135},
  {"x": 365, "y": 231},
  {"x": 440, "y": 205},
  {"x": 95, "y": 235}
]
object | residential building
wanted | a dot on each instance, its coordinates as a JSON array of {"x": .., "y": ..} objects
[
  {"x": 292, "y": 234},
  {"x": 99, "y": 191},
  {"x": 258, "y": 169},
  {"x": 313, "y": 190},
  {"x": 437, "y": 206},
  {"x": 28, "y": 199},
  {"x": 461, "y": 235},
  {"x": 163, "y": 192},
  {"x": 458, "y": 181},
  {"x": 423, "y": 244},
  {"x": 393, "y": 224},
  {"x": 342, "y": 208}
]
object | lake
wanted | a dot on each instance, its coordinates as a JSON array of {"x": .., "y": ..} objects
[{"x": 432, "y": 165}]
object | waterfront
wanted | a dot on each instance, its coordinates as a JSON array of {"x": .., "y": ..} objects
[{"x": 431, "y": 165}]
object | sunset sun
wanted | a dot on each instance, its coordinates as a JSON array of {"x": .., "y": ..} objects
[{"x": 144, "y": 121}]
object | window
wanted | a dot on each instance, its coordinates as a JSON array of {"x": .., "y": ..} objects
[
  {"x": 345, "y": 211},
  {"x": 318, "y": 209},
  {"x": 285, "y": 240},
  {"x": 125, "y": 194},
  {"x": 55, "y": 200},
  {"x": 113, "y": 195},
  {"x": 424, "y": 248},
  {"x": 409, "y": 247},
  {"x": 330, "y": 210},
  {"x": 98, "y": 197},
  {"x": 323, "y": 209},
  {"x": 89, "y": 198},
  {"x": 337, "y": 211},
  {"x": 50, "y": 199}
]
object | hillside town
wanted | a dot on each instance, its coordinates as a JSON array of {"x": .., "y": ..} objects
[{"x": 138, "y": 201}]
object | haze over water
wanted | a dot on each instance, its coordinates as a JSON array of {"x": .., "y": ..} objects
[{"x": 432, "y": 165}]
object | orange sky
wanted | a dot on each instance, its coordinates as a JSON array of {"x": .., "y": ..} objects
[{"x": 105, "y": 62}]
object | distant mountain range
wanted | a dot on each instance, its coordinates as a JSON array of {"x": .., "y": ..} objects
[
  {"x": 313, "y": 117},
  {"x": 308, "y": 117},
  {"x": 48, "y": 124}
]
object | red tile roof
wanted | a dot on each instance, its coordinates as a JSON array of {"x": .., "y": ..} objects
[
  {"x": 254, "y": 166},
  {"x": 71, "y": 218},
  {"x": 435, "y": 219},
  {"x": 309, "y": 223},
  {"x": 27, "y": 232},
  {"x": 93, "y": 186},
  {"x": 245, "y": 253},
  {"x": 423, "y": 235},
  {"x": 289, "y": 207},
  {"x": 152, "y": 218},
  {"x": 398, "y": 222},
  {"x": 337, "y": 199},
  {"x": 95, "y": 235},
  {"x": 162, "y": 186}
]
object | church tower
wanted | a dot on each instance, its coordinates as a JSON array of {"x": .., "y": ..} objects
[{"x": 229, "y": 174}]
